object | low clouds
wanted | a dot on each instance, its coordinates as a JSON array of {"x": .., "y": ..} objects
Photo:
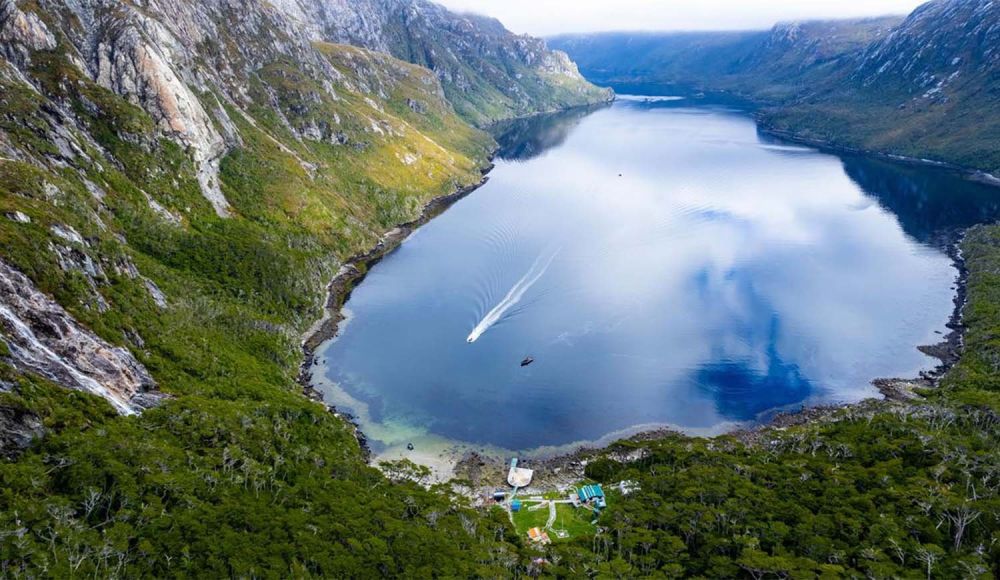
[{"x": 548, "y": 17}]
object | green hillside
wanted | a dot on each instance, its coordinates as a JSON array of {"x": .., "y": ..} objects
[
  {"x": 185, "y": 178},
  {"x": 924, "y": 86}
]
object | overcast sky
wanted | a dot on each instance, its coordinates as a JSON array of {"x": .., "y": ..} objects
[{"x": 548, "y": 17}]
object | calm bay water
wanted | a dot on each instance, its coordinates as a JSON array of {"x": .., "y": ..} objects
[{"x": 665, "y": 265}]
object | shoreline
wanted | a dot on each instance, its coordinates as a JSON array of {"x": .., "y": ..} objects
[
  {"x": 753, "y": 106},
  {"x": 352, "y": 272},
  {"x": 894, "y": 391},
  {"x": 471, "y": 463},
  {"x": 969, "y": 173},
  {"x": 612, "y": 97}
]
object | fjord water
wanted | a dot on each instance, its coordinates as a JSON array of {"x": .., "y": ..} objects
[{"x": 665, "y": 265}]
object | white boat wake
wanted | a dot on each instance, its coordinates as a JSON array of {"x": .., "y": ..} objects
[{"x": 513, "y": 296}]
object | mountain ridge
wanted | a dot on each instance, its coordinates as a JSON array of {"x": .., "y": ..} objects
[
  {"x": 920, "y": 86},
  {"x": 179, "y": 182},
  {"x": 489, "y": 73}
]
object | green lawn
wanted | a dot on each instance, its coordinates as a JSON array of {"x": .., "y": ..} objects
[
  {"x": 524, "y": 520},
  {"x": 576, "y": 521}
]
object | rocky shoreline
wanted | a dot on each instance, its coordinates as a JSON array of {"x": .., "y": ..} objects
[{"x": 352, "y": 273}]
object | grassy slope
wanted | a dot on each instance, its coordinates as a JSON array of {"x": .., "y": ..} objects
[{"x": 238, "y": 460}]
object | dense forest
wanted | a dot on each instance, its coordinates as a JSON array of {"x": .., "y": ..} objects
[
  {"x": 275, "y": 485},
  {"x": 210, "y": 283}
]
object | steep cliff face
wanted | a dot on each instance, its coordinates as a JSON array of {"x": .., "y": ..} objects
[
  {"x": 137, "y": 57},
  {"x": 489, "y": 73}
]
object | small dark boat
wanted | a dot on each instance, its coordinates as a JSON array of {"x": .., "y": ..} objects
[
  {"x": 527, "y": 361},
  {"x": 410, "y": 446}
]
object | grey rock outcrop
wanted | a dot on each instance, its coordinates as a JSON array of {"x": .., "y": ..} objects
[
  {"x": 18, "y": 428},
  {"x": 45, "y": 339},
  {"x": 22, "y": 32},
  {"x": 476, "y": 58}
]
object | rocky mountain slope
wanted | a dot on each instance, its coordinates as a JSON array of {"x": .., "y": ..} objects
[
  {"x": 488, "y": 73},
  {"x": 175, "y": 108},
  {"x": 923, "y": 86},
  {"x": 42, "y": 338},
  {"x": 929, "y": 89},
  {"x": 164, "y": 135},
  {"x": 179, "y": 180},
  {"x": 942, "y": 44}
]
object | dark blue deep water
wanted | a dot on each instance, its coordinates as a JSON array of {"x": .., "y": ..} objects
[{"x": 665, "y": 265}]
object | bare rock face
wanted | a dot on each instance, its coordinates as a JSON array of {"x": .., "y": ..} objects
[
  {"x": 21, "y": 32},
  {"x": 179, "y": 60},
  {"x": 18, "y": 428},
  {"x": 43, "y": 338},
  {"x": 557, "y": 62},
  {"x": 175, "y": 59},
  {"x": 132, "y": 57},
  {"x": 466, "y": 51}
]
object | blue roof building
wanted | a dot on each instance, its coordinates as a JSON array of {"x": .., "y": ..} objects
[
  {"x": 593, "y": 494},
  {"x": 515, "y": 506}
]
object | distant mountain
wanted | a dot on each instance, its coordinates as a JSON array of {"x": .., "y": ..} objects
[
  {"x": 742, "y": 61},
  {"x": 942, "y": 48},
  {"x": 685, "y": 58},
  {"x": 797, "y": 57},
  {"x": 929, "y": 89},
  {"x": 925, "y": 86}
]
